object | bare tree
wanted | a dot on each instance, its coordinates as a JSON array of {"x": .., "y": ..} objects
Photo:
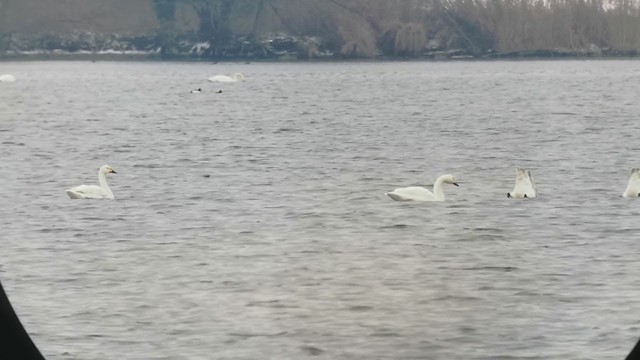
[{"x": 404, "y": 27}]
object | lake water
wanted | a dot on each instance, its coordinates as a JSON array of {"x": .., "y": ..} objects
[{"x": 252, "y": 223}]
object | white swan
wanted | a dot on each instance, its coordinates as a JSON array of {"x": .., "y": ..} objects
[
  {"x": 525, "y": 187},
  {"x": 7, "y": 78},
  {"x": 196, "y": 91},
  {"x": 92, "y": 191},
  {"x": 633, "y": 187},
  {"x": 417, "y": 193},
  {"x": 227, "y": 79}
]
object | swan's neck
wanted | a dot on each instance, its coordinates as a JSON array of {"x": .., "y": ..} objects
[
  {"x": 437, "y": 189},
  {"x": 102, "y": 180}
]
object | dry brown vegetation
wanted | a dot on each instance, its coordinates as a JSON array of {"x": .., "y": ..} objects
[
  {"x": 545, "y": 24},
  {"x": 404, "y": 27},
  {"x": 353, "y": 28}
]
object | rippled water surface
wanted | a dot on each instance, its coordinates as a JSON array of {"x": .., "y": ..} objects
[{"x": 252, "y": 223}]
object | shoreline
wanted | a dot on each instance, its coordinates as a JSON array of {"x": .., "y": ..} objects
[{"x": 538, "y": 55}]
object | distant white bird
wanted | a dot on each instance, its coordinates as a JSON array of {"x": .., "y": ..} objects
[
  {"x": 7, "y": 78},
  {"x": 227, "y": 79},
  {"x": 417, "y": 193},
  {"x": 633, "y": 187},
  {"x": 525, "y": 187},
  {"x": 196, "y": 91},
  {"x": 93, "y": 191}
]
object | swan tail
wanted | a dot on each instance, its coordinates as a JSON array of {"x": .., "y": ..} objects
[
  {"x": 394, "y": 196},
  {"x": 72, "y": 195}
]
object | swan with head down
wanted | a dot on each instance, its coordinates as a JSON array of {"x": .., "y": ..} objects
[
  {"x": 101, "y": 191},
  {"x": 7, "y": 78},
  {"x": 633, "y": 186},
  {"x": 525, "y": 187},
  {"x": 227, "y": 79},
  {"x": 418, "y": 193}
]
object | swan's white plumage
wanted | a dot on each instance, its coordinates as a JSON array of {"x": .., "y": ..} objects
[
  {"x": 227, "y": 79},
  {"x": 633, "y": 187},
  {"x": 525, "y": 187},
  {"x": 412, "y": 193},
  {"x": 7, "y": 78},
  {"x": 88, "y": 192},
  {"x": 417, "y": 193},
  {"x": 94, "y": 191}
]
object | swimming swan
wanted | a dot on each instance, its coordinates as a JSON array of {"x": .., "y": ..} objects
[
  {"x": 227, "y": 79},
  {"x": 92, "y": 191},
  {"x": 7, "y": 78},
  {"x": 196, "y": 91},
  {"x": 525, "y": 187},
  {"x": 417, "y": 193},
  {"x": 633, "y": 187}
]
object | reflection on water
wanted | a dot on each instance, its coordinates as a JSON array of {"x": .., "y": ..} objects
[{"x": 253, "y": 223}]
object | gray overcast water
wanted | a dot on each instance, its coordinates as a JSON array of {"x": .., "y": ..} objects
[{"x": 252, "y": 224}]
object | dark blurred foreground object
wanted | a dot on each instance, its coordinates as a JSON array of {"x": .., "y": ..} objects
[
  {"x": 635, "y": 352},
  {"x": 15, "y": 343}
]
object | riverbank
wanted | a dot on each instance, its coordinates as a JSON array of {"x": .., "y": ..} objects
[{"x": 543, "y": 54}]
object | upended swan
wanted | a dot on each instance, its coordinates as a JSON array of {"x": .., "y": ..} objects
[
  {"x": 418, "y": 193},
  {"x": 525, "y": 187},
  {"x": 227, "y": 79},
  {"x": 93, "y": 191},
  {"x": 633, "y": 187},
  {"x": 7, "y": 78}
]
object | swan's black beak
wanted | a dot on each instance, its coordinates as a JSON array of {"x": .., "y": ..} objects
[
  {"x": 456, "y": 184},
  {"x": 113, "y": 171}
]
